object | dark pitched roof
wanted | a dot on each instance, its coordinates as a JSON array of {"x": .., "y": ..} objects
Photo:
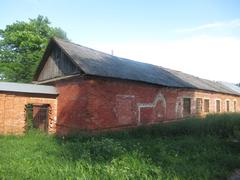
[
  {"x": 231, "y": 86},
  {"x": 97, "y": 63}
]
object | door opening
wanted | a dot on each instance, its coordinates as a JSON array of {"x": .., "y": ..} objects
[{"x": 37, "y": 116}]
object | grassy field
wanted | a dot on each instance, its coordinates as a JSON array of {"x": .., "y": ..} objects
[{"x": 191, "y": 149}]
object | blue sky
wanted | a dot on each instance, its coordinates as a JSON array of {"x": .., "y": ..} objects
[{"x": 200, "y": 37}]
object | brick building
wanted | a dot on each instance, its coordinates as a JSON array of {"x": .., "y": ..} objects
[
  {"x": 97, "y": 91},
  {"x": 100, "y": 91},
  {"x": 14, "y": 101}
]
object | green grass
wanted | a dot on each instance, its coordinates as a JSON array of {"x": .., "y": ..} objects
[{"x": 191, "y": 149}]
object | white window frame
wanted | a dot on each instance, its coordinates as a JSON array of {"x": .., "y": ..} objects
[
  {"x": 201, "y": 104},
  {"x": 216, "y": 105},
  {"x": 234, "y": 107},
  {"x": 204, "y": 105},
  {"x": 191, "y": 103},
  {"x": 226, "y": 105}
]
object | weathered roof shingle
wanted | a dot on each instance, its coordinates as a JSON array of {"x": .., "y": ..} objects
[{"x": 93, "y": 62}]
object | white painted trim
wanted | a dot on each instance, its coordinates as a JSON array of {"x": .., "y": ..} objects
[
  {"x": 196, "y": 104},
  {"x": 125, "y": 96},
  {"x": 208, "y": 104},
  {"x": 179, "y": 104},
  {"x": 207, "y": 98},
  {"x": 198, "y": 98},
  {"x": 159, "y": 97},
  {"x": 235, "y": 108}
]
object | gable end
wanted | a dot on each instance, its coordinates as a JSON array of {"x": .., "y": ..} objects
[{"x": 57, "y": 64}]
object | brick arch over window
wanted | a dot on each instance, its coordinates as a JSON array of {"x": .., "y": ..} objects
[{"x": 152, "y": 112}]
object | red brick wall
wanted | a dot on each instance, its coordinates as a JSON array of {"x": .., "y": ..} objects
[
  {"x": 72, "y": 105},
  {"x": 222, "y": 97},
  {"x": 13, "y": 115},
  {"x": 101, "y": 103}
]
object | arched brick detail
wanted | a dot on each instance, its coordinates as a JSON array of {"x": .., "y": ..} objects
[{"x": 152, "y": 112}]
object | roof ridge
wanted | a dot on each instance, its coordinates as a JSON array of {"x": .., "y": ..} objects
[{"x": 70, "y": 42}]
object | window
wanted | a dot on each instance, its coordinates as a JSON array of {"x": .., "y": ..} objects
[
  {"x": 198, "y": 105},
  {"x": 206, "y": 105},
  {"x": 187, "y": 106},
  {"x": 227, "y": 106},
  {"x": 218, "y": 106},
  {"x": 235, "y": 106}
]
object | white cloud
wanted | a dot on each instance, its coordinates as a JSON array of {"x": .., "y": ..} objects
[
  {"x": 206, "y": 57},
  {"x": 215, "y": 25}
]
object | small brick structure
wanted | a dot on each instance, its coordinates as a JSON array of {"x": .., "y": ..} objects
[{"x": 13, "y": 109}]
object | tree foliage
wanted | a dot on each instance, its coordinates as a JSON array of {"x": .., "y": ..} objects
[{"x": 22, "y": 45}]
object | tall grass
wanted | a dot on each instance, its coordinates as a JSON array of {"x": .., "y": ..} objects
[
  {"x": 190, "y": 149},
  {"x": 221, "y": 125}
]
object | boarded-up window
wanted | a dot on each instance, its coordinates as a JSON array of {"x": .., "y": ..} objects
[
  {"x": 227, "y": 106},
  {"x": 206, "y": 105},
  {"x": 198, "y": 105},
  {"x": 218, "y": 106},
  {"x": 124, "y": 109},
  {"x": 187, "y": 106},
  {"x": 235, "y": 106}
]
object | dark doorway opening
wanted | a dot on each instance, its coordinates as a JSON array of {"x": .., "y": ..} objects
[{"x": 37, "y": 116}]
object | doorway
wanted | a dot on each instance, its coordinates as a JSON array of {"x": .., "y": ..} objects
[{"x": 37, "y": 116}]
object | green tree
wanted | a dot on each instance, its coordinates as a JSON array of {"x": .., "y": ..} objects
[{"x": 22, "y": 45}]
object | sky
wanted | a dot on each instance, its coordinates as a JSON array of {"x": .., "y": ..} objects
[{"x": 199, "y": 37}]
